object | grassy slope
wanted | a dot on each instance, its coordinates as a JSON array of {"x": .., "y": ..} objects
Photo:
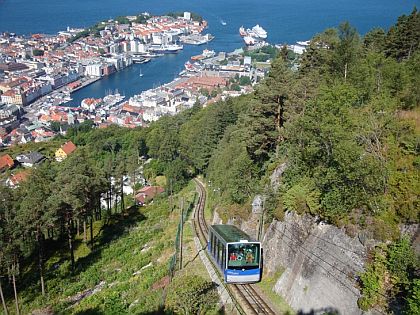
[{"x": 130, "y": 242}]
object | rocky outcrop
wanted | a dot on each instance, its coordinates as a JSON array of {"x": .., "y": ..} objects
[
  {"x": 321, "y": 264},
  {"x": 275, "y": 177}
]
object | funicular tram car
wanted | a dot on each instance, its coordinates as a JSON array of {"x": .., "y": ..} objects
[{"x": 237, "y": 255}]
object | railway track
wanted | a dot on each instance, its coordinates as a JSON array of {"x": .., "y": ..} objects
[{"x": 246, "y": 295}]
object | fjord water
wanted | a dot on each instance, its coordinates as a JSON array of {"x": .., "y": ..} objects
[{"x": 286, "y": 21}]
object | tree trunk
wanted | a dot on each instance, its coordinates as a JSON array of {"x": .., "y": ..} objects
[
  {"x": 116, "y": 202},
  {"x": 133, "y": 181},
  {"x": 39, "y": 237},
  {"x": 78, "y": 227},
  {"x": 14, "y": 290},
  {"x": 99, "y": 210},
  {"x": 345, "y": 72},
  {"x": 107, "y": 201},
  {"x": 122, "y": 195},
  {"x": 70, "y": 239},
  {"x": 110, "y": 197},
  {"x": 279, "y": 122},
  {"x": 91, "y": 233},
  {"x": 84, "y": 230},
  {"x": 3, "y": 300}
]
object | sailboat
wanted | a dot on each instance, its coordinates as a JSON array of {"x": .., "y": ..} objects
[{"x": 141, "y": 74}]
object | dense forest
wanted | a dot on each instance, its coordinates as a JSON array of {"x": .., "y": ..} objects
[{"x": 345, "y": 125}]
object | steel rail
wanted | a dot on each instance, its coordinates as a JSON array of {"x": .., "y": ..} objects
[{"x": 248, "y": 298}]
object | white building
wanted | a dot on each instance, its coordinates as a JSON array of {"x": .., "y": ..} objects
[
  {"x": 94, "y": 70},
  {"x": 187, "y": 15}
]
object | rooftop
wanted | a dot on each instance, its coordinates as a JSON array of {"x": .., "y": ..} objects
[{"x": 231, "y": 233}]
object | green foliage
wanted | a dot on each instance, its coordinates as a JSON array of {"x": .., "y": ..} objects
[
  {"x": 231, "y": 170},
  {"x": 38, "y": 52},
  {"x": 122, "y": 20},
  {"x": 302, "y": 197},
  {"x": 200, "y": 135},
  {"x": 391, "y": 274},
  {"x": 262, "y": 54},
  {"x": 191, "y": 295},
  {"x": 403, "y": 38},
  {"x": 413, "y": 299},
  {"x": 346, "y": 51},
  {"x": 194, "y": 16},
  {"x": 401, "y": 260},
  {"x": 142, "y": 19},
  {"x": 244, "y": 80},
  {"x": 373, "y": 281},
  {"x": 55, "y": 126}
]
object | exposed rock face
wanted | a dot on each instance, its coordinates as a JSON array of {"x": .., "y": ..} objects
[
  {"x": 251, "y": 226},
  {"x": 216, "y": 218},
  {"x": 276, "y": 176},
  {"x": 321, "y": 264}
]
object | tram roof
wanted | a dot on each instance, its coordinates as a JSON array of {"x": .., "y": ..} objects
[{"x": 231, "y": 233}]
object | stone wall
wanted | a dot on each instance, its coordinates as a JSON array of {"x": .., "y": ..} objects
[{"x": 321, "y": 264}]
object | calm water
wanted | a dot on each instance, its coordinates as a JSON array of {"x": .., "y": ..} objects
[{"x": 285, "y": 21}]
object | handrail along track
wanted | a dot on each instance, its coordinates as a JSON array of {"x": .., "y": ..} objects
[{"x": 249, "y": 299}]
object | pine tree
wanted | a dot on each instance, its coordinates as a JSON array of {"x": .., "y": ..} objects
[{"x": 35, "y": 212}]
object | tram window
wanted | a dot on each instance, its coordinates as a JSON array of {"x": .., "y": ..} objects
[
  {"x": 214, "y": 246},
  {"x": 243, "y": 256},
  {"x": 219, "y": 254},
  {"x": 223, "y": 261},
  {"x": 210, "y": 238},
  {"x": 211, "y": 242}
]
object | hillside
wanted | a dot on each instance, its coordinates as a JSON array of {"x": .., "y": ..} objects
[{"x": 345, "y": 125}]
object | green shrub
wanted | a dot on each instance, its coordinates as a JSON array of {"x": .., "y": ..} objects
[
  {"x": 191, "y": 295},
  {"x": 413, "y": 300},
  {"x": 302, "y": 198}
]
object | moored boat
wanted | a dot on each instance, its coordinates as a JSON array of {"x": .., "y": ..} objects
[
  {"x": 259, "y": 32},
  {"x": 166, "y": 49}
]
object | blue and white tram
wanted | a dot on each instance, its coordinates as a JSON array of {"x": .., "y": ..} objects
[{"x": 236, "y": 254}]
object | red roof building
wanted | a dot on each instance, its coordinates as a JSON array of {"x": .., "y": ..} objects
[
  {"x": 68, "y": 147},
  {"x": 18, "y": 178},
  {"x": 146, "y": 194},
  {"x": 64, "y": 151},
  {"x": 6, "y": 162}
]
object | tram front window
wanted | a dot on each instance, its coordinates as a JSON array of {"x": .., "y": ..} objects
[{"x": 243, "y": 256}]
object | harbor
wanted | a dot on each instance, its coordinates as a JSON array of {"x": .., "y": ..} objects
[{"x": 141, "y": 69}]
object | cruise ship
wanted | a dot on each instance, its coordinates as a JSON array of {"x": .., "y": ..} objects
[
  {"x": 259, "y": 32},
  {"x": 252, "y": 36}
]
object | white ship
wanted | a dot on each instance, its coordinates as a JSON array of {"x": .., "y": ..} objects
[
  {"x": 259, "y": 32},
  {"x": 166, "y": 49}
]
